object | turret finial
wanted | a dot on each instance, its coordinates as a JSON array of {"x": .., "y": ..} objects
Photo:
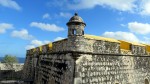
[{"x": 76, "y": 14}]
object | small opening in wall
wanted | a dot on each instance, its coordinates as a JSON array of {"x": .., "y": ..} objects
[
  {"x": 82, "y": 32},
  {"x": 146, "y": 81},
  {"x": 74, "y": 32}
]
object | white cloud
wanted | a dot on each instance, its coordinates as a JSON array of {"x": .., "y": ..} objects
[
  {"x": 10, "y": 4},
  {"x": 146, "y": 40},
  {"x": 46, "y": 16},
  {"x": 23, "y": 34},
  {"x": 66, "y": 15},
  {"x": 46, "y": 41},
  {"x": 61, "y": 14},
  {"x": 140, "y": 28},
  {"x": 58, "y": 38},
  {"x": 145, "y": 7},
  {"x": 35, "y": 43},
  {"x": 29, "y": 47},
  {"x": 47, "y": 27},
  {"x": 121, "y": 5},
  {"x": 122, "y": 36},
  {"x": 39, "y": 43},
  {"x": 4, "y": 27},
  {"x": 133, "y": 6}
]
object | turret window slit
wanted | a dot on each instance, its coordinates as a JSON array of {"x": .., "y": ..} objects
[{"x": 74, "y": 32}]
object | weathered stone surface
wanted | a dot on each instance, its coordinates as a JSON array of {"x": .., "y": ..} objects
[
  {"x": 81, "y": 60},
  {"x": 56, "y": 69},
  {"x": 107, "y": 69}
]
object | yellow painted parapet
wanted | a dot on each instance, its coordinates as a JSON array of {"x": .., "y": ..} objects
[
  {"x": 126, "y": 45},
  {"x": 100, "y": 38},
  {"x": 34, "y": 50},
  {"x": 50, "y": 46},
  {"x": 40, "y": 48},
  {"x": 46, "y": 48},
  {"x": 147, "y": 47}
]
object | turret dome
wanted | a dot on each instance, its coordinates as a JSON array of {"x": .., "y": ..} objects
[{"x": 76, "y": 19}]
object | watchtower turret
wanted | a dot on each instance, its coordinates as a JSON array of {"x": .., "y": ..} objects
[
  {"x": 75, "y": 33},
  {"x": 76, "y": 26}
]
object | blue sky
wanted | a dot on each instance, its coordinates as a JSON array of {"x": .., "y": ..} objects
[{"x": 25, "y": 24}]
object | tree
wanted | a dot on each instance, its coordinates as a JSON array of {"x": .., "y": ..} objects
[{"x": 9, "y": 61}]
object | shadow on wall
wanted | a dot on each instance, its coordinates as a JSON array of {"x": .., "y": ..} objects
[
  {"x": 146, "y": 81},
  {"x": 10, "y": 75}
]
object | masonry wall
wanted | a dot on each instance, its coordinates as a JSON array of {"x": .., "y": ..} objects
[
  {"x": 28, "y": 68},
  {"x": 55, "y": 69},
  {"x": 108, "y": 64},
  {"x": 108, "y": 69},
  {"x": 88, "y": 62}
]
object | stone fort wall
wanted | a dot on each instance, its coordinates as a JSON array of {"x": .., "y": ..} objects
[
  {"x": 101, "y": 62},
  {"x": 87, "y": 59},
  {"x": 108, "y": 69}
]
